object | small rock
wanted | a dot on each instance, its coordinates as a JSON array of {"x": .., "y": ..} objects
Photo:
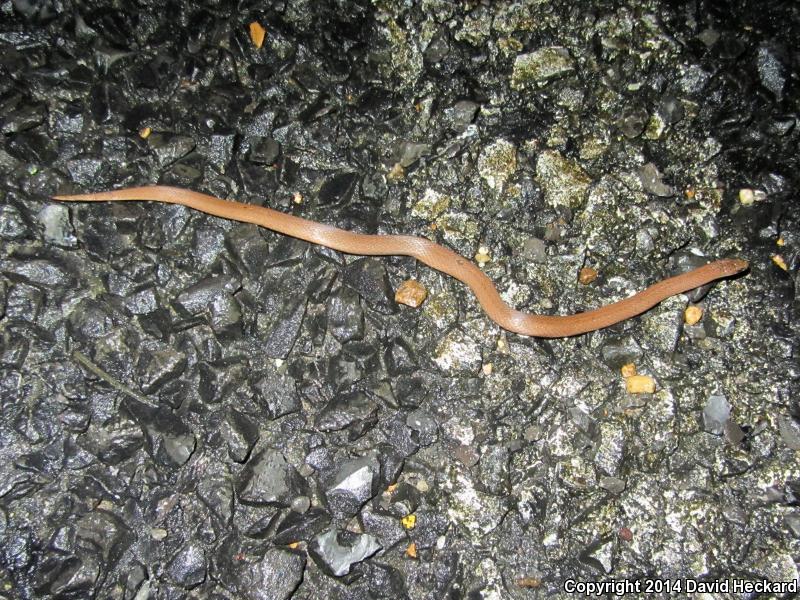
[
  {"x": 250, "y": 249},
  {"x": 640, "y": 384},
  {"x": 346, "y": 410},
  {"x": 188, "y": 567},
  {"x": 268, "y": 479},
  {"x": 652, "y": 183},
  {"x": 280, "y": 330},
  {"x": 345, "y": 315},
  {"x": 431, "y": 205},
  {"x": 671, "y": 109},
  {"x": 12, "y": 225},
  {"x": 456, "y": 352},
  {"x": 257, "y": 34},
  {"x": 716, "y": 413},
  {"x": 57, "y": 227},
  {"x": 355, "y": 482},
  {"x": 339, "y": 189},
  {"x": 407, "y": 153},
  {"x": 789, "y": 429},
  {"x": 263, "y": 150},
  {"x": 771, "y": 71},
  {"x": 541, "y": 66},
  {"x": 169, "y": 147},
  {"x": 497, "y": 163},
  {"x": 748, "y": 196},
  {"x": 274, "y": 577},
  {"x": 368, "y": 277},
  {"x": 337, "y": 551},
  {"x": 301, "y": 526},
  {"x": 482, "y": 256},
  {"x": 160, "y": 366},
  {"x": 400, "y": 358},
  {"x": 612, "y": 484},
  {"x": 384, "y": 526},
  {"x": 563, "y": 181},
  {"x": 587, "y": 275},
  {"x": 534, "y": 249},
  {"x": 277, "y": 394},
  {"x": 411, "y": 293},
  {"x": 692, "y": 315},
  {"x": 424, "y": 427},
  {"x": 461, "y": 114},
  {"x": 478, "y": 512},
  {"x": 633, "y": 121},
  {"x": 240, "y": 433}
]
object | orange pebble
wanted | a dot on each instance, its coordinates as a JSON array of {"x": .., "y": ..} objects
[
  {"x": 640, "y": 384},
  {"x": 257, "y": 34},
  {"x": 692, "y": 315},
  {"x": 411, "y": 551},
  {"x": 411, "y": 293},
  {"x": 587, "y": 275}
]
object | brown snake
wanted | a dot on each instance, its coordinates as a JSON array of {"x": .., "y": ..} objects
[{"x": 434, "y": 256}]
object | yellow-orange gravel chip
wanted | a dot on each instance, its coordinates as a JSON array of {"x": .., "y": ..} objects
[
  {"x": 257, "y": 34},
  {"x": 780, "y": 262},
  {"x": 587, "y": 275},
  {"x": 692, "y": 315},
  {"x": 411, "y": 551},
  {"x": 640, "y": 384},
  {"x": 411, "y": 293}
]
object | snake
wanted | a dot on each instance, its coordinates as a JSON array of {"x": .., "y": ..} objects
[{"x": 434, "y": 255}]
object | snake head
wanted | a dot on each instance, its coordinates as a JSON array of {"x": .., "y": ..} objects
[{"x": 731, "y": 266}]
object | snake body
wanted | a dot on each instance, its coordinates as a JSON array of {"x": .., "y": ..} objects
[{"x": 433, "y": 255}]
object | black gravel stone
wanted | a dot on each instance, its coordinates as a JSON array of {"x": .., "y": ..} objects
[
  {"x": 345, "y": 316},
  {"x": 170, "y": 440},
  {"x": 249, "y": 248},
  {"x": 158, "y": 366},
  {"x": 188, "y": 567},
  {"x": 240, "y": 434},
  {"x": 217, "y": 494},
  {"x": 423, "y": 426},
  {"x": 385, "y": 527},
  {"x": 617, "y": 352},
  {"x": 353, "y": 484},
  {"x": 368, "y": 277},
  {"x": 12, "y": 224},
  {"x": 268, "y": 479},
  {"x": 214, "y": 299},
  {"x": 338, "y": 189},
  {"x": 22, "y": 118},
  {"x": 219, "y": 380},
  {"x": 632, "y": 122},
  {"x": 400, "y": 357},
  {"x": 277, "y": 394},
  {"x": 280, "y": 331},
  {"x": 404, "y": 500},
  {"x": 354, "y": 411},
  {"x": 301, "y": 526},
  {"x": 169, "y": 147},
  {"x": 399, "y": 436},
  {"x": 263, "y": 150},
  {"x": 275, "y": 576}
]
